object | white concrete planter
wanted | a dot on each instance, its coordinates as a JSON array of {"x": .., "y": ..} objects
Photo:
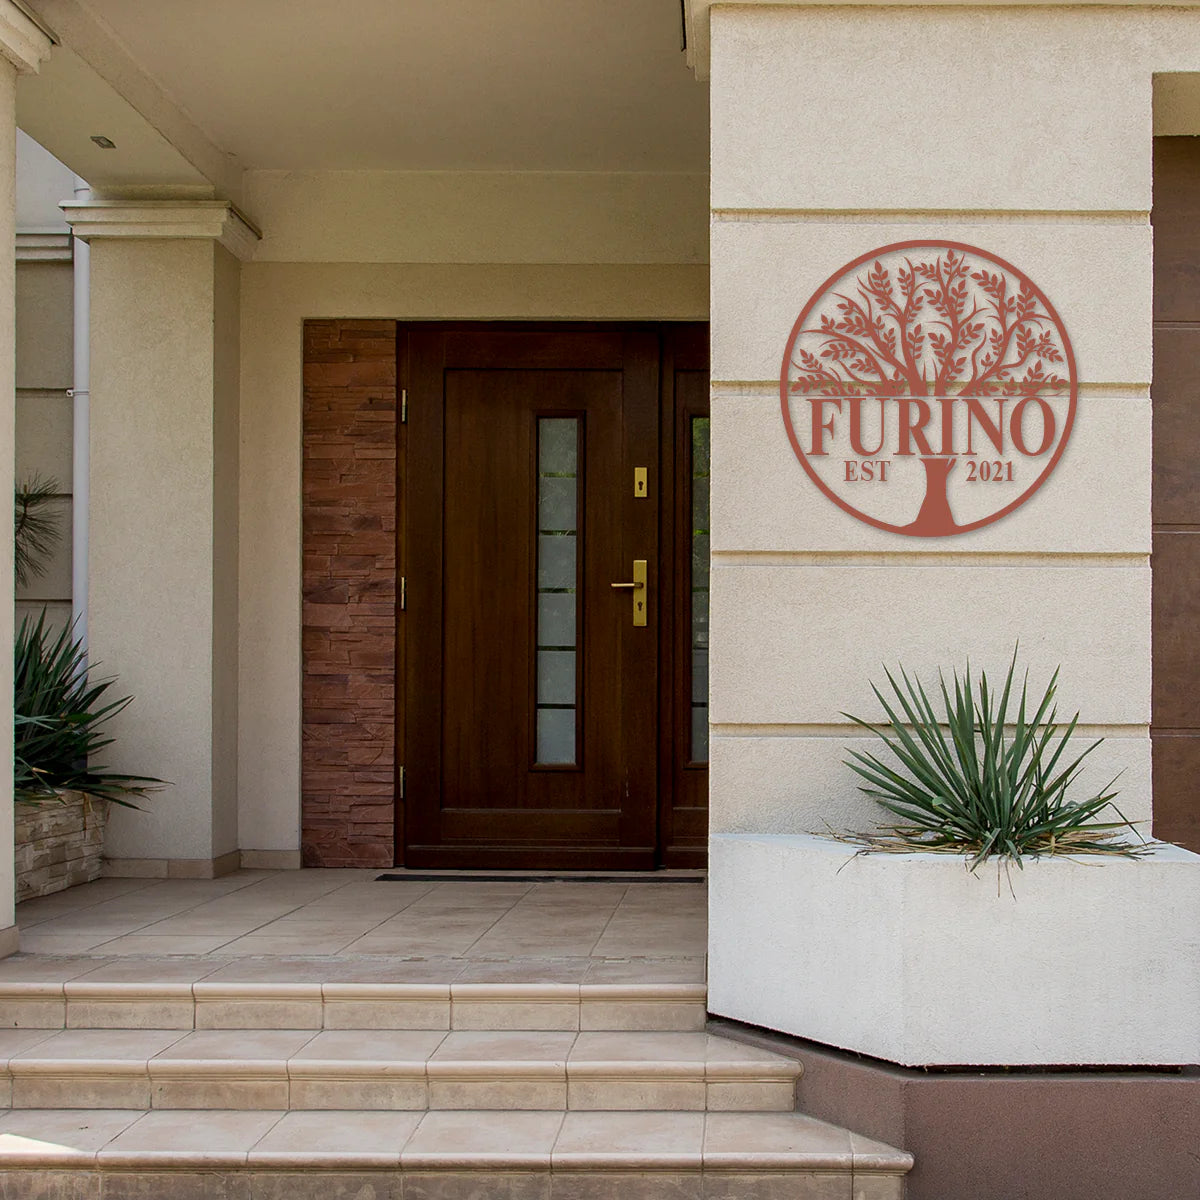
[
  {"x": 57, "y": 843},
  {"x": 910, "y": 958}
]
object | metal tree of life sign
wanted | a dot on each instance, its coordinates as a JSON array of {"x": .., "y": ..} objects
[{"x": 929, "y": 388}]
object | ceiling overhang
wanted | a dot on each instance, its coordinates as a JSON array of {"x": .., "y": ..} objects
[{"x": 91, "y": 86}]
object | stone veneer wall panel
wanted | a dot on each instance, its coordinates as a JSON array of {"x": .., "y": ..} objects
[
  {"x": 349, "y": 589},
  {"x": 57, "y": 843}
]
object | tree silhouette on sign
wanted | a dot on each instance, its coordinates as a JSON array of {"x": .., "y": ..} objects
[{"x": 931, "y": 324}]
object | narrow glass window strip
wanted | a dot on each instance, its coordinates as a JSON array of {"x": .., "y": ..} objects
[
  {"x": 698, "y": 659},
  {"x": 557, "y": 601}
]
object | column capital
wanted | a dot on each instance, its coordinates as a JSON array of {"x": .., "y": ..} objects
[
  {"x": 43, "y": 245},
  {"x": 22, "y": 40},
  {"x": 215, "y": 219},
  {"x": 696, "y": 15}
]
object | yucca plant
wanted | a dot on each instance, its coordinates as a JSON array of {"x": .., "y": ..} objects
[
  {"x": 982, "y": 781},
  {"x": 60, "y": 713}
]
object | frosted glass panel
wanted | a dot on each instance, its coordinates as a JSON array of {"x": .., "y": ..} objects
[
  {"x": 556, "y": 503},
  {"x": 700, "y": 507},
  {"x": 699, "y": 618},
  {"x": 699, "y": 596},
  {"x": 700, "y": 560},
  {"x": 556, "y": 561},
  {"x": 556, "y": 677},
  {"x": 556, "y": 618},
  {"x": 699, "y": 676},
  {"x": 558, "y": 445},
  {"x": 700, "y": 733},
  {"x": 556, "y": 736},
  {"x": 557, "y": 589}
]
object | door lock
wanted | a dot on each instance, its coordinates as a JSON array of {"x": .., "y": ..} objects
[{"x": 637, "y": 589}]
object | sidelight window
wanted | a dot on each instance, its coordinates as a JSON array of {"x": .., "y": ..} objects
[
  {"x": 557, "y": 589},
  {"x": 700, "y": 472}
]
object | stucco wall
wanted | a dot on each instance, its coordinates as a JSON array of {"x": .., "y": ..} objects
[
  {"x": 479, "y": 216},
  {"x": 1038, "y": 151},
  {"x": 276, "y": 298}
]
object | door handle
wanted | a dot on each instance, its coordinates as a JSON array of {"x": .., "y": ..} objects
[{"x": 637, "y": 589}]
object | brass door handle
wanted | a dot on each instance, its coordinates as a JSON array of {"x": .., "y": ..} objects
[{"x": 636, "y": 586}]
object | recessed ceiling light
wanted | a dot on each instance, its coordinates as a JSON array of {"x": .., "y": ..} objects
[{"x": 103, "y": 142}]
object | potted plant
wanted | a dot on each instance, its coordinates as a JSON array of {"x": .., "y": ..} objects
[
  {"x": 985, "y": 781},
  {"x": 62, "y": 793},
  {"x": 896, "y": 944},
  {"x": 60, "y": 714}
]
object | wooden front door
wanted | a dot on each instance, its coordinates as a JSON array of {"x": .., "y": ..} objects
[{"x": 534, "y": 688}]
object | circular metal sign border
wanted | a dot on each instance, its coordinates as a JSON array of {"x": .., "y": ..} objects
[{"x": 926, "y": 244}]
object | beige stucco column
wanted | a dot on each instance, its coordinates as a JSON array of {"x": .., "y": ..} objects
[
  {"x": 23, "y": 47},
  {"x": 837, "y": 130},
  {"x": 814, "y": 164},
  {"x": 163, "y": 551}
]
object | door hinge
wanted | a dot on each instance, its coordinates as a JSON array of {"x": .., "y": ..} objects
[
  {"x": 403, "y": 593},
  {"x": 404, "y": 406},
  {"x": 402, "y": 781}
]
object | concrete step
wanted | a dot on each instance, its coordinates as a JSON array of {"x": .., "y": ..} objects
[
  {"x": 465, "y": 1155},
  {"x": 391, "y": 1069},
  {"x": 152, "y": 1003}
]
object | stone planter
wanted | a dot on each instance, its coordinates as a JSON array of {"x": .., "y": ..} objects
[
  {"x": 57, "y": 843},
  {"x": 911, "y": 958}
]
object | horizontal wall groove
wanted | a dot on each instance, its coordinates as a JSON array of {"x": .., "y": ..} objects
[
  {"x": 932, "y": 216},
  {"x": 769, "y": 388},
  {"x": 1038, "y": 559},
  {"x": 848, "y": 730}
]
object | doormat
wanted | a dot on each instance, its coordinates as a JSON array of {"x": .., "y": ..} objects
[{"x": 514, "y": 877}]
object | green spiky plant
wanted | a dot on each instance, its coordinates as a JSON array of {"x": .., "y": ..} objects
[
  {"x": 60, "y": 715},
  {"x": 982, "y": 781},
  {"x": 36, "y": 528}
]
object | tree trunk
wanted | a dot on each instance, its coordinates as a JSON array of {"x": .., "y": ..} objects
[{"x": 935, "y": 518}]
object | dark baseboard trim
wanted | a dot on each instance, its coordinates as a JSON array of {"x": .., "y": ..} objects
[{"x": 999, "y": 1134}]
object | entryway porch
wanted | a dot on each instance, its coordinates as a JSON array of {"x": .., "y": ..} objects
[
  {"x": 323, "y": 1033},
  {"x": 566, "y": 929}
]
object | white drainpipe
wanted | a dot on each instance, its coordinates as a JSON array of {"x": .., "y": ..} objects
[{"x": 80, "y": 438}]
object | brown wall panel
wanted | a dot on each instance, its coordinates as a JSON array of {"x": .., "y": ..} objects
[
  {"x": 1177, "y": 775},
  {"x": 1176, "y": 425},
  {"x": 1176, "y": 229},
  {"x": 1175, "y": 394},
  {"x": 1176, "y": 623}
]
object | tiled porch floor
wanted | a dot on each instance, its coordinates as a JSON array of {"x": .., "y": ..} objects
[{"x": 456, "y": 928}]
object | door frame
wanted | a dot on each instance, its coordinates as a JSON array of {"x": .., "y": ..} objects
[{"x": 682, "y": 346}]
